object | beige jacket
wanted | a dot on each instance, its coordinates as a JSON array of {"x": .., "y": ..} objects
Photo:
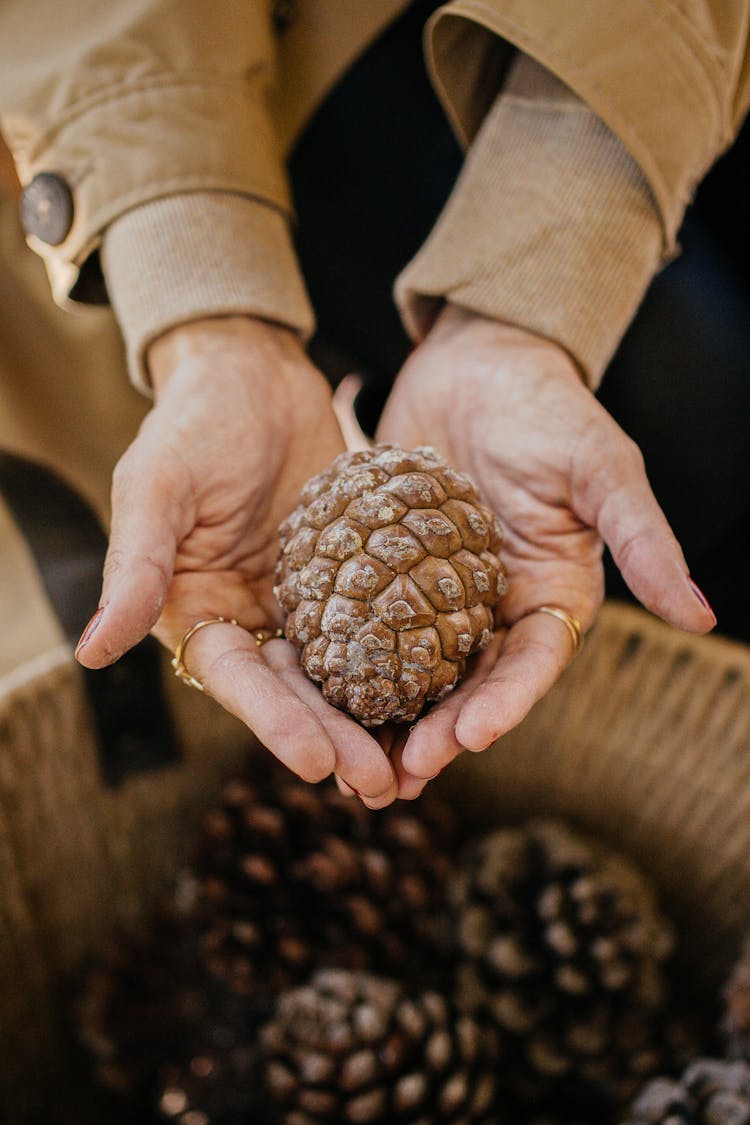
[{"x": 170, "y": 118}]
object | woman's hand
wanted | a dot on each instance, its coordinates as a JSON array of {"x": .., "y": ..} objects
[
  {"x": 510, "y": 409},
  {"x": 242, "y": 419}
]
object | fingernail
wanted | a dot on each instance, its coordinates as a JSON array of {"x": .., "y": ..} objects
[
  {"x": 90, "y": 629},
  {"x": 477, "y": 749},
  {"x": 701, "y": 597}
]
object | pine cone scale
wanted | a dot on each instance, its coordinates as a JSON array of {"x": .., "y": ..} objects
[{"x": 412, "y": 549}]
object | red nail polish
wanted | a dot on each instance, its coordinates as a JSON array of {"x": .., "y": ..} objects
[
  {"x": 90, "y": 629},
  {"x": 700, "y": 596}
]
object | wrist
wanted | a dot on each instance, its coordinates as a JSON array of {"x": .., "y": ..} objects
[
  {"x": 248, "y": 337},
  {"x": 469, "y": 328}
]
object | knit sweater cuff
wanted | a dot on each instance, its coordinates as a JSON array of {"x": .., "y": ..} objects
[
  {"x": 551, "y": 227},
  {"x": 200, "y": 254}
]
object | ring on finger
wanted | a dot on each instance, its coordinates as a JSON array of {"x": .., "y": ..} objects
[
  {"x": 263, "y": 636},
  {"x": 178, "y": 660},
  {"x": 571, "y": 623}
]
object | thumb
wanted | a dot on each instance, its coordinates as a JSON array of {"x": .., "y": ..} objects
[
  {"x": 140, "y": 559},
  {"x": 615, "y": 496}
]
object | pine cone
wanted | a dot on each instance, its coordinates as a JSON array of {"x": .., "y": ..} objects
[
  {"x": 561, "y": 943},
  {"x": 286, "y": 878},
  {"x": 710, "y": 1092},
  {"x": 735, "y": 1024},
  {"x": 292, "y": 877},
  {"x": 350, "y": 1047},
  {"x": 389, "y": 576},
  {"x": 214, "y": 1087},
  {"x": 149, "y": 1012},
  {"x": 139, "y": 1002}
]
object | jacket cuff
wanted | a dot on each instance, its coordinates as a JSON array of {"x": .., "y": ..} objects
[
  {"x": 552, "y": 226},
  {"x": 106, "y": 154},
  {"x": 199, "y": 255}
]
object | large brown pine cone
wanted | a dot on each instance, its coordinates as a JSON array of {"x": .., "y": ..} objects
[
  {"x": 290, "y": 877},
  {"x": 710, "y": 1092},
  {"x": 561, "y": 942},
  {"x": 389, "y": 576},
  {"x": 350, "y": 1047}
]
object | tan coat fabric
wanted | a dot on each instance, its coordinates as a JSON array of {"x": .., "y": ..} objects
[
  {"x": 64, "y": 396},
  {"x": 180, "y": 105}
]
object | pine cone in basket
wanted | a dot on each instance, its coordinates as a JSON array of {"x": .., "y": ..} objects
[
  {"x": 710, "y": 1092},
  {"x": 560, "y": 941},
  {"x": 286, "y": 878},
  {"x": 291, "y": 877},
  {"x": 148, "y": 1012},
  {"x": 389, "y": 576},
  {"x": 212, "y": 1087},
  {"x": 735, "y": 1024},
  {"x": 351, "y": 1047}
]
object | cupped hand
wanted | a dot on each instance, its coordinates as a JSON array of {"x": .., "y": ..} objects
[
  {"x": 511, "y": 410},
  {"x": 241, "y": 420}
]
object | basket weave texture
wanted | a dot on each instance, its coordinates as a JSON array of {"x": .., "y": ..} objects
[
  {"x": 645, "y": 741},
  {"x": 79, "y": 858}
]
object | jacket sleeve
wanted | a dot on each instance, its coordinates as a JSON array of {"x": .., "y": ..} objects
[
  {"x": 579, "y": 171},
  {"x": 671, "y": 81},
  {"x": 130, "y": 105},
  {"x": 551, "y": 226}
]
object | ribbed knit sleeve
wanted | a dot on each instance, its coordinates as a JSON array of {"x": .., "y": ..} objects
[
  {"x": 552, "y": 226},
  {"x": 200, "y": 254}
]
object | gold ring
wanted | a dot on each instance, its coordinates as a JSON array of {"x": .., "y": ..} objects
[
  {"x": 263, "y": 636},
  {"x": 178, "y": 660},
  {"x": 571, "y": 623}
]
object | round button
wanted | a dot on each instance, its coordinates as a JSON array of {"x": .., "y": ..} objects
[{"x": 47, "y": 208}]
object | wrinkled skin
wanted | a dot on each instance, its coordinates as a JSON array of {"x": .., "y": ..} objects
[
  {"x": 511, "y": 410},
  {"x": 242, "y": 419}
]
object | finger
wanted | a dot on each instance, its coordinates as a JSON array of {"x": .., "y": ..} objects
[
  {"x": 233, "y": 670},
  {"x": 536, "y": 650},
  {"x": 139, "y": 563},
  {"x": 432, "y": 743},
  {"x": 617, "y": 498},
  {"x": 409, "y": 786},
  {"x": 386, "y": 737},
  {"x": 360, "y": 761}
]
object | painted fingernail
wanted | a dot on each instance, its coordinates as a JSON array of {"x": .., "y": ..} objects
[
  {"x": 701, "y": 597},
  {"x": 90, "y": 629}
]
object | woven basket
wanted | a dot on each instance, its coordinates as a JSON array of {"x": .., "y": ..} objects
[
  {"x": 646, "y": 742},
  {"x": 80, "y": 857}
]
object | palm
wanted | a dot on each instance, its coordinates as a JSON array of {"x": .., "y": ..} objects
[
  {"x": 227, "y": 542},
  {"x": 562, "y": 477},
  {"x": 241, "y": 422},
  {"x": 474, "y": 418}
]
